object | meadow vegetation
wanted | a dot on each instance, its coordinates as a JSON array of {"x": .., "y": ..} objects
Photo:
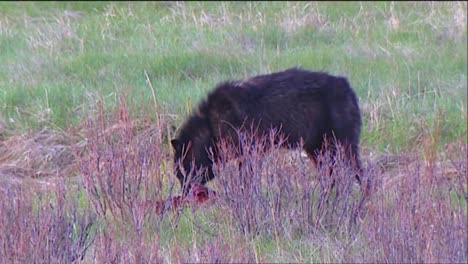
[{"x": 90, "y": 94}]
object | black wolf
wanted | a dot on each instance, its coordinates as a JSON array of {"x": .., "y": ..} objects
[{"x": 305, "y": 106}]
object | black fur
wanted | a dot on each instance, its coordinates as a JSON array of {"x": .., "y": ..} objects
[{"x": 303, "y": 104}]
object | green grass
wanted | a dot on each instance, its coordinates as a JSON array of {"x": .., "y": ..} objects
[{"x": 59, "y": 57}]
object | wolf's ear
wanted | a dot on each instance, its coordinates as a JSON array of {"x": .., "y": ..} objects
[{"x": 176, "y": 144}]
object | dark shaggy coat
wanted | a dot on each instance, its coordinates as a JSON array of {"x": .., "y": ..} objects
[{"x": 301, "y": 104}]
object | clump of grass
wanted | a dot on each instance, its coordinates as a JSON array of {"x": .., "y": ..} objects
[
  {"x": 216, "y": 249},
  {"x": 44, "y": 227},
  {"x": 420, "y": 215},
  {"x": 121, "y": 164},
  {"x": 114, "y": 244},
  {"x": 417, "y": 218},
  {"x": 37, "y": 154},
  {"x": 122, "y": 167}
]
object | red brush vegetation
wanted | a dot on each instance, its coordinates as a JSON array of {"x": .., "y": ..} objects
[{"x": 416, "y": 211}]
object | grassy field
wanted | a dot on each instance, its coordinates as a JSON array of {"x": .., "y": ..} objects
[{"x": 406, "y": 61}]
